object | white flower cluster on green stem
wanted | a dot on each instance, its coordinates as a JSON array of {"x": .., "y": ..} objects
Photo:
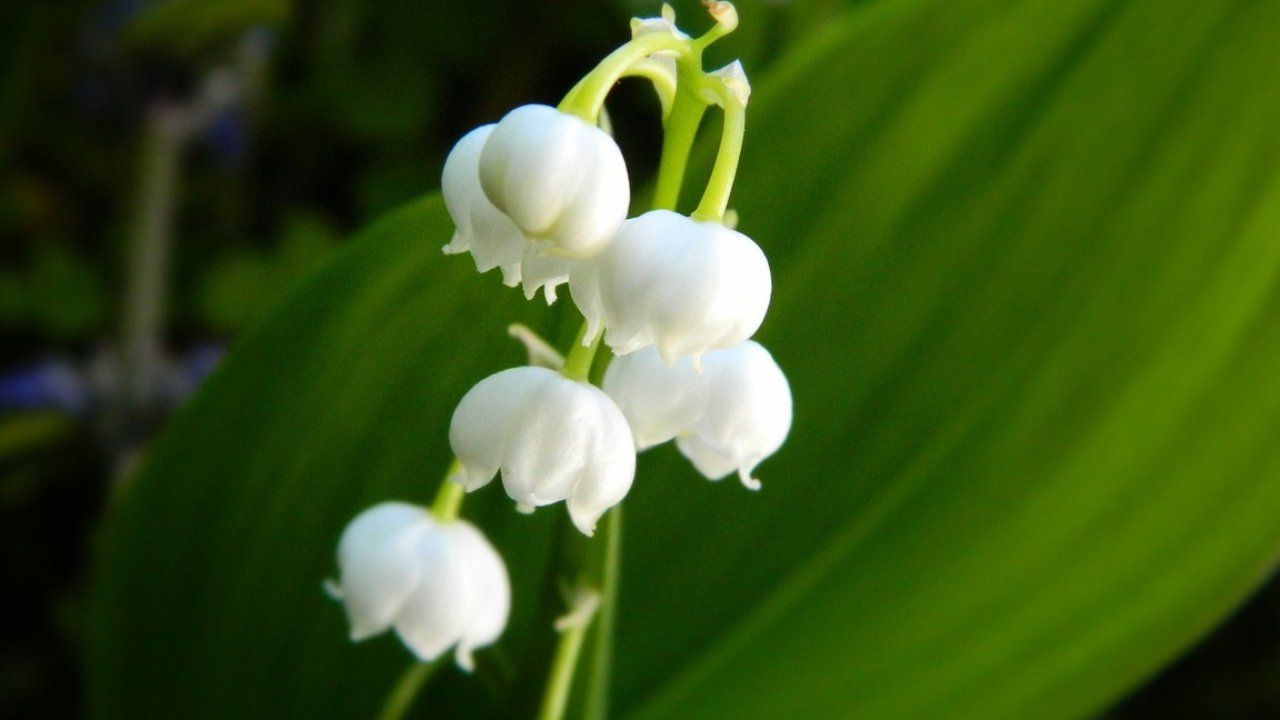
[{"x": 542, "y": 195}]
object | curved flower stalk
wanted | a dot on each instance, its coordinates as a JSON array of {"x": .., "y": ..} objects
[
  {"x": 660, "y": 67},
  {"x": 552, "y": 438},
  {"x": 438, "y": 584},
  {"x": 730, "y": 416},
  {"x": 682, "y": 285}
]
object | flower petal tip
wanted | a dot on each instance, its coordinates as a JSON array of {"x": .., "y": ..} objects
[
  {"x": 464, "y": 659},
  {"x": 586, "y": 523},
  {"x": 332, "y": 589}
]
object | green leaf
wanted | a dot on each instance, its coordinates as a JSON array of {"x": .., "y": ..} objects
[
  {"x": 1026, "y": 267},
  {"x": 1027, "y": 293}
]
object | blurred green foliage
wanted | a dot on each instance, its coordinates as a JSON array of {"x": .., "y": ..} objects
[
  {"x": 1026, "y": 292},
  {"x": 59, "y": 292},
  {"x": 238, "y": 287},
  {"x": 187, "y": 28},
  {"x": 20, "y": 433}
]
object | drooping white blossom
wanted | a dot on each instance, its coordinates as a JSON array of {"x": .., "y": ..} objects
[
  {"x": 731, "y": 416},
  {"x": 552, "y": 438},
  {"x": 438, "y": 584},
  {"x": 561, "y": 180},
  {"x": 659, "y": 402},
  {"x": 489, "y": 235},
  {"x": 679, "y": 284}
]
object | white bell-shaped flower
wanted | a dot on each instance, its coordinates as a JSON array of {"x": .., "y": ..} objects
[
  {"x": 488, "y": 234},
  {"x": 439, "y": 584},
  {"x": 659, "y": 402},
  {"x": 561, "y": 180},
  {"x": 681, "y": 285},
  {"x": 730, "y": 416},
  {"x": 551, "y": 437}
]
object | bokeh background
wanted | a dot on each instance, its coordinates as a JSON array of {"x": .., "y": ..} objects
[{"x": 172, "y": 168}]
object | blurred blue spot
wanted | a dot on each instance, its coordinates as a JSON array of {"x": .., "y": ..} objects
[
  {"x": 228, "y": 135},
  {"x": 195, "y": 367},
  {"x": 50, "y": 385}
]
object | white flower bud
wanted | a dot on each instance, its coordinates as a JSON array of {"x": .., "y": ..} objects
[
  {"x": 439, "y": 584},
  {"x": 561, "y": 180},
  {"x": 553, "y": 439},
  {"x": 731, "y": 416},
  {"x": 665, "y": 23},
  {"x": 483, "y": 230},
  {"x": 679, "y": 284},
  {"x": 735, "y": 79}
]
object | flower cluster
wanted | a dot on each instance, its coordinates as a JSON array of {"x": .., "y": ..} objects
[{"x": 543, "y": 196}]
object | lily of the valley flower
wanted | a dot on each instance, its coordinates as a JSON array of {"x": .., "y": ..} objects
[
  {"x": 682, "y": 285},
  {"x": 439, "y": 584},
  {"x": 551, "y": 437},
  {"x": 731, "y": 416},
  {"x": 488, "y": 234},
  {"x": 561, "y": 180}
]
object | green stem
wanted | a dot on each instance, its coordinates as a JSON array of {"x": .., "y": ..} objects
[
  {"x": 560, "y": 682},
  {"x": 448, "y": 500},
  {"x": 715, "y": 200},
  {"x": 596, "y": 704},
  {"x": 406, "y": 690},
  {"x": 148, "y": 267},
  {"x": 587, "y": 97},
  {"x": 577, "y": 365},
  {"x": 726, "y": 18},
  {"x": 678, "y": 133},
  {"x": 680, "y": 127}
]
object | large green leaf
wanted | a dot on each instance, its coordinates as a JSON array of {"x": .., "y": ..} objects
[
  {"x": 1028, "y": 294},
  {"x": 1028, "y": 303}
]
